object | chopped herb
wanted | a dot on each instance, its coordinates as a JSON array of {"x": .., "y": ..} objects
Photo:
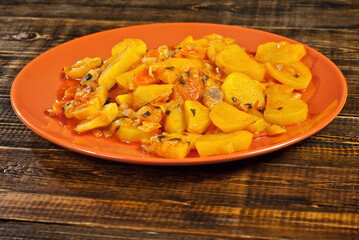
[
  {"x": 184, "y": 134},
  {"x": 175, "y": 139},
  {"x": 181, "y": 80},
  {"x": 179, "y": 48},
  {"x": 204, "y": 79},
  {"x": 188, "y": 74},
  {"x": 63, "y": 107},
  {"x": 161, "y": 137},
  {"x": 296, "y": 75},
  {"x": 188, "y": 142},
  {"x": 156, "y": 107},
  {"x": 68, "y": 103},
  {"x": 234, "y": 99},
  {"x": 146, "y": 114},
  {"x": 280, "y": 108},
  {"x": 170, "y": 68},
  {"x": 108, "y": 100},
  {"x": 167, "y": 112},
  {"x": 261, "y": 110},
  {"x": 88, "y": 76},
  {"x": 193, "y": 112},
  {"x": 249, "y": 105}
]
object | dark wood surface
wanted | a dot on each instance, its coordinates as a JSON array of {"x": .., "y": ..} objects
[{"x": 307, "y": 191}]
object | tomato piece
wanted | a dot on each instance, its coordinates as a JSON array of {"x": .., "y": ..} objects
[
  {"x": 190, "y": 86},
  {"x": 143, "y": 77}
]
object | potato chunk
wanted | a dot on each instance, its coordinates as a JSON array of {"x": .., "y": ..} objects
[
  {"x": 239, "y": 88},
  {"x": 229, "y": 119},
  {"x": 292, "y": 111},
  {"x": 146, "y": 94},
  {"x": 223, "y": 143},
  {"x": 295, "y": 74},
  {"x": 234, "y": 59},
  {"x": 133, "y": 134},
  {"x": 120, "y": 64},
  {"x": 102, "y": 118},
  {"x": 282, "y": 52},
  {"x": 197, "y": 116},
  {"x": 175, "y": 121},
  {"x": 136, "y": 44}
]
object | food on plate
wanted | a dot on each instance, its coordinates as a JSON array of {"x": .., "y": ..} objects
[{"x": 207, "y": 95}]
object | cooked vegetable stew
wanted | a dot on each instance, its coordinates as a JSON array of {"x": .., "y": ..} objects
[{"x": 207, "y": 95}]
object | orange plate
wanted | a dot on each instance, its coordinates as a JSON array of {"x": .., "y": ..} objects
[{"x": 35, "y": 87}]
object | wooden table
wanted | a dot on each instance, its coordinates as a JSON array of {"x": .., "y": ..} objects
[{"x": 306, "y": 191}]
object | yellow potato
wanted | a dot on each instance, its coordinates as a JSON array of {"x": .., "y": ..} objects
[
  {"x": 296, "y": 75},
  {"x": 102, "y": 118},
  {"x": 136, "y": 44},
  {"x": 230, "y": 119},
  {"x": 120, "y": 64},
  {"x": 234, "y": 59},
  {"x": 223, "y": 143},
  {"x": 146, "y": 94},
  {"x": 133, "y": 134},
  {"x": 175, "y": 121},
  {"x": 282, "y": 52},
  {"x": 89, "y": 108},
  {"x": 239, "y": 88},
  {"x": 197, "y": 116},
  {"x": 292, "y": 111},
  {"x": 124, "y": 79},
  {"x": 124, "y": 98}
]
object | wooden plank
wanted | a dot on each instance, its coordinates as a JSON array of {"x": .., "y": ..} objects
[
  {"x": 40, "y": 231},
  {"x": 265, "y": 13}
]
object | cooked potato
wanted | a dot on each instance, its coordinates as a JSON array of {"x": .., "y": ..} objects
[
  {"x": 223, "y": 143},
  {"x": 234, "y": 59},
  {"x": 238, "y": 88},
  {"x": 230, "y": 119},
  {"x": 102, "y": 118},
  {"x": 197, "y": 116}
]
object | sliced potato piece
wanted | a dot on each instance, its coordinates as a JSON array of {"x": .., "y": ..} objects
[
  {"x": 102, "y": 118},
  {"x": 136, "y": 44},
  {"x": 124, "y": 98},
  {"x": 120, "y": 64},
  {"x": 197, "y": 116},
  {"x": 234, "y": 59},
  {"x": 175, "y": 121},
  {"x": 133, "y": 134},
  {"x": 223, "y": 143},
  {"x": 296, "y": 75},
  {"x": 124, "y": 79},
  {"x": 230, "y": 119},
  {"x": 292, "y": 111},
  {"x": 239, "y": 88},
  {"x": 146, "y": 94},
  {"x": 88, "y": 108},
  {"x": 282, "y": 52}
]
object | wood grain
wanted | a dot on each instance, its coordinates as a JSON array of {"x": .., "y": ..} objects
[{"x": 309, "y": 190}]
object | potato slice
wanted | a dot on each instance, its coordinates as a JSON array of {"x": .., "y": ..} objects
[
  {"x": 102, "y": 118},
  {"x": 120, "y": 64},
  {"x": 175, "y": 121},
  {"x": 89, "y": 108},
  {"x": 258, "y": 126},
  {"x": 239, "y": 88},
  {"x": 197, "y": 116},
  {"x": 168, "y": 71},
  {"x": 136, "y": 44},
  {"x": 296, "y": 75},
  {"x": 282, "y": 52},
  {"x": 124, "y": 79},
  {"x": 234, "y": 59},
  {"x": 292, "y": 111},
  {"x": 146, "y": 94},
  {"x": 133, "y": 134},
  {"x": 124, "y": 98},
  {"x": 230, "y": 119},
  {"x": 223, "y": 143}
]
